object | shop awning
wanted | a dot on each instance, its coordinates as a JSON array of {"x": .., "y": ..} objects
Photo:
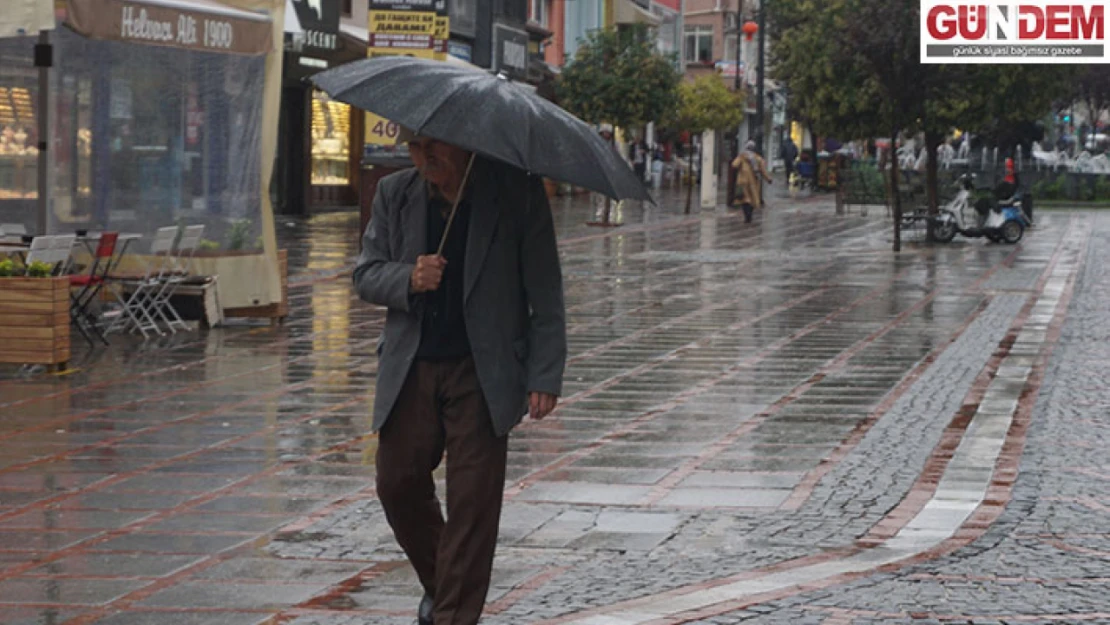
[
  {"x": 628, "y": 12},
  {"x": 204, "y": 25},
  {"x": 26, "y": 17}
]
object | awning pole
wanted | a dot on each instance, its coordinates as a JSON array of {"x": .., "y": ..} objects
[{"x": 44, "y": 59}]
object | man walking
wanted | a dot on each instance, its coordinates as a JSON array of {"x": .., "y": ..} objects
[
  {"x": 639, "y": 158},
  {"x": 474, "y": 338}
]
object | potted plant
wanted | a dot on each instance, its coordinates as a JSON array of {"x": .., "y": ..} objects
[{"x": 34, "y": 315}]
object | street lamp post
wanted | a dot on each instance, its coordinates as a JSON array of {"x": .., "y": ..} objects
[
  {"x": 759, "y": 74},
  {"x": 736, "y": 87}
]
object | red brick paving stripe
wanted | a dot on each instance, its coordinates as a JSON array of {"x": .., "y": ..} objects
[
  {"x": 521, "y": 591},
  {"x": 332, "y": 599}
]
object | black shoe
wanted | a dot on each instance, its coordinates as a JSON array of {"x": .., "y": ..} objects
[{"x": 424, "y": 611}]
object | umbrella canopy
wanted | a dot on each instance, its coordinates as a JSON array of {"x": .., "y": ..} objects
[{"x": 486, "y": 114}]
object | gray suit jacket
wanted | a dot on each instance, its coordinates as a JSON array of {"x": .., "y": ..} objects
[{"x": 513, "y": 287}]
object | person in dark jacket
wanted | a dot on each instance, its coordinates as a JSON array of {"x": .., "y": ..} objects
[{"x": 474, "y": 338}]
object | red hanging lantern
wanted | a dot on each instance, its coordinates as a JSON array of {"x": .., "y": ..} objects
[{"x": 750, "y": 29}]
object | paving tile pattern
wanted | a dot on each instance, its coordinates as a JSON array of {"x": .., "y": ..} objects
[
  {"x": 737, "y": 396},
  {"x": 1044, "y": 560}
]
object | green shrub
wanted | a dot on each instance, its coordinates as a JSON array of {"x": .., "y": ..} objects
[
  {"x": 1102, "y": 188},
  {"x": 39, "y": 269},
  {"x": 238, "y": 234},
  {"x": 7, "y": 268},
  {"x": 1051, "y": 188}
]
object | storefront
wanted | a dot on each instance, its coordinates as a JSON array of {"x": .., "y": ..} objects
[
  {"x": 320, "y": 141},
  {"x": 154, "y": 115},
  {"x": 18, "y": 127}
]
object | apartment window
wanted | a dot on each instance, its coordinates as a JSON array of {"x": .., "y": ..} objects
[
  {"x": 346, "y": 7},
  {"x": 538, "y": 12},
  {"x": 699, "y": 44},
  {"x": 730, "y": 48}
]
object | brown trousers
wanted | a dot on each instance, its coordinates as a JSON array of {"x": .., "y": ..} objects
[{"x": 441, "y": 408}]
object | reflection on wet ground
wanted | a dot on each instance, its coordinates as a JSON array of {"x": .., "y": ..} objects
[{"x": 714, "y": 366}]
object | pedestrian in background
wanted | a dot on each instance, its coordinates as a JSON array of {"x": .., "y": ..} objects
[
  {"x": 639, "y": 158},
  {"x": 749, "y": 168},
  {"x": 789, "y": 155},
  {"x": 475, "y": 337}
]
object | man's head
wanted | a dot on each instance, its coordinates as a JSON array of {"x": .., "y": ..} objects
[
  {"x": 606, "y": 131},
  {"x": 441, "y": 164}
]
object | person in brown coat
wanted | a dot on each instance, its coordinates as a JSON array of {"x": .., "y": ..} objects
[{"x": 749, "y": 167}]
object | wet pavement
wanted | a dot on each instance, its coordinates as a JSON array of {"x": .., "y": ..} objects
[{"x": 779, "y": 422}]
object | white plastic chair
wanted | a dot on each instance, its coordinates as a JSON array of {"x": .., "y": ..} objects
[
  {"x": 63, "y": 251},
  {"x": 12, "y": 230},
  {"x": 42, "y": 250},
  {"x": 138, "y": 309},
  {"x": 161, "y": 304}
]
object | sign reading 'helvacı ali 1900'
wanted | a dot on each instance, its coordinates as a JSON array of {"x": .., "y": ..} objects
[
  {"x": 1021, "y": 31},
  {"x": 210, "y": 28},
  {"x": 188, "y": 30}
]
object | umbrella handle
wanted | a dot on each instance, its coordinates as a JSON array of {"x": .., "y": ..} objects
[{"x": 455, "y": 207}]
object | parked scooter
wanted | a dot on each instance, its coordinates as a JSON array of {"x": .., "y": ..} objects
[{"x": 1003, "y": 220}]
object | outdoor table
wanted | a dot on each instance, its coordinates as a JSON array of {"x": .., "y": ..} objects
[{"x": 124, "y": 240}]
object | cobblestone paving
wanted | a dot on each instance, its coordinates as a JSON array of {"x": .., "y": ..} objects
[
  {"x": 738, "y": 397},
  {"x": 1045, "y": 559}
]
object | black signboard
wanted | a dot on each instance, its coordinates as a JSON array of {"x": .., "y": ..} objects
[
  {"x": 510, "y": 51},
  {"x": 319, "y": 19}
]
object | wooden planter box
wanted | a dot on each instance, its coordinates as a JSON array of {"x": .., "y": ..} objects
[{"x": 34, "y": 321}]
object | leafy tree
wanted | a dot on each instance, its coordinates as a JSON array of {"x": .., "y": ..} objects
[
  {"x": 855, "y": 66},
  {"x": 706, "y": 104},
  {"x": 1093, "y": 91},
  {"x": 619, "y": 78}
]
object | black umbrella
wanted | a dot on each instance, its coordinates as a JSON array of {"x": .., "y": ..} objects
[{"x": 486, "y": 114}]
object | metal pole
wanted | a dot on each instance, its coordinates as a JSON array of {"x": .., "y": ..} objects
[
  {"x": 739, "y": 41},
  {"x": 759, "y": 73},
  {"x": 44, "y": 59},
  {"x": 731, "y": 183}
]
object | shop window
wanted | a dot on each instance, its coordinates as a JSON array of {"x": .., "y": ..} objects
[
  {"x": 18, "y": 154},
  {"x": 730, "y": 48},
  {"x": 331, "y": 132},
  {"x": 149, "y": 136},
  {"x": 699, "y": 44}
]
